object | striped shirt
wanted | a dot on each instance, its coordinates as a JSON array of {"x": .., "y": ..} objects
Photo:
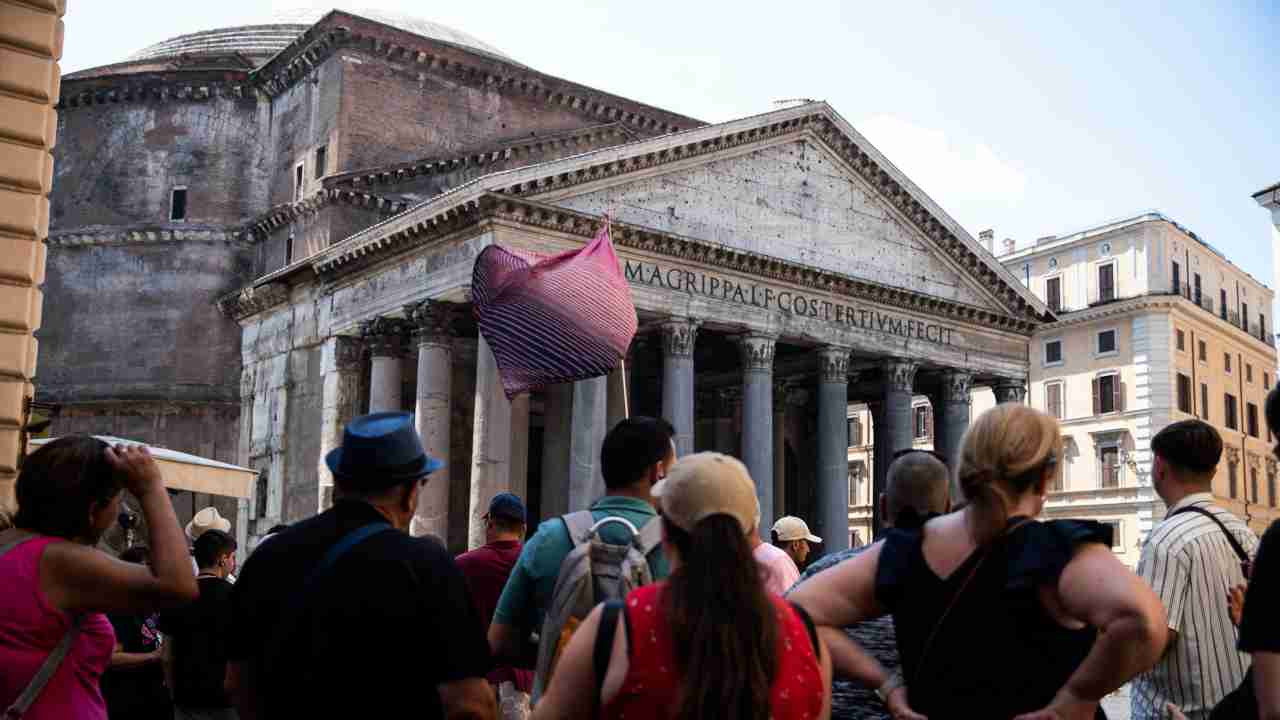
[{"x": 1190, "y": 564}]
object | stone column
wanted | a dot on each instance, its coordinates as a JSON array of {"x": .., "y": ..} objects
[
  {"x": 951, "y": 416},
  {"x": 1010, "y": 390},
  {"x": 386, "y": 339},
  {"x": 520, "y": 445},
  {"x": 557, "y": 409},
  {"x": 757, "y": 416},
  {"x": 432, "y": 323},
  {"x": 892, "y": 427},
  {"x": 678, "y": 337},
  {"x": 341, "y": 367},
  {"x": 726, "y": 407},
  {"x": 779, "y": 450},
  {"x": 833, "y": 449},
  {"x": 586, "y": 436},
  {"x": 490, "y": 443}
]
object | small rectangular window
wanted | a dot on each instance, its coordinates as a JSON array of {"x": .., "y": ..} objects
[
  {"x": 1106, "y": 282},
  {"x": 1204, "y": 352},
  {"x": 1106, "y": 341},
  {"x": 288, "y": 249},
  {"x": 178, "y": 204},
  {"x": 1184, "y": 393},
  {"x": 1244, "y": 316},
  {"x": 1107, "y": 397},
  {"x": 1251, "y": 419},
  {"x": 1053, "y": 293},
  {"x": 1226, "y": 361},
  {"x": 320, "y": 161},
  {"x": 1248, "y": 372},
  {"x": 1181, "y": 339},
  {"x": 1222, "y": 298},
  {"x": 1204, "y": 402},
  {"x": 855, "y": 432},
  {"x": 1052, "y": 352},
  {"x": 1253, "y": 484},
  {"x": 1053, "y": 399},
  {"x": 1233, "y": 482},
  {"x": 297, "y": 182},
  {"x": 1266, "y": 381},
  {"x": 1229, "y": 411},
  {"x": 1109, "y": 458},
  {"x": 1177, "y": 278},
  {"x": 1117, "y": 541}
]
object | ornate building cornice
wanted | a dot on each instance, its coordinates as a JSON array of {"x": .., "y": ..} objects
[
  {"x": 287, "y": 213},
  {"x": 494, "y": 154},
  {"x": 1150, "y": 301},
  {"x": 148, "y": 234},
  {"x": 151, "y": 86},
  {"x": 253, "y": 300},
  {"x": 456, "y": 64}
]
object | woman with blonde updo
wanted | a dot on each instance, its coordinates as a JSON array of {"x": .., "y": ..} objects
[{"x": 998, "y": 615}]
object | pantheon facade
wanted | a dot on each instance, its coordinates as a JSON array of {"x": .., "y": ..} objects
[{"x": 781, "y": 268}]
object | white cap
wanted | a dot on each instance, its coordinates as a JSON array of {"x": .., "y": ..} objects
[{"x": 793, "y": 528}]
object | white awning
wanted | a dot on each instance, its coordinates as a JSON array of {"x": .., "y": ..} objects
[{"x": 182, "y": 471}]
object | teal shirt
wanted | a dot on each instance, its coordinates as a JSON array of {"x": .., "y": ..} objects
[{"x": 528, "y": 591}]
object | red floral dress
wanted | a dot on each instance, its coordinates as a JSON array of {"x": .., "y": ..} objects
[{"x": 650, "y": 689}]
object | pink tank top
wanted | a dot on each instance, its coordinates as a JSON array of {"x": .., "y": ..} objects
[{"x": 30, "y": 628}]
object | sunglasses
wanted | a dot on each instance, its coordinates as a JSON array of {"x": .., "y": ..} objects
[{"x": 908, "y": 451}]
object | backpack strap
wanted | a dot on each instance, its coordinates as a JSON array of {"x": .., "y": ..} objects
[
  {"x": 578, "y": 524},
  {"x": 603, "y": 649},
  {"x": 9, "y": 540},
  {"x": 1231, "y": 538},
  {"x": 650, "y": 536}
]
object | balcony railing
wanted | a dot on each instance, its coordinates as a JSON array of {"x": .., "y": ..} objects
[{"x": 1204, "y": 302}]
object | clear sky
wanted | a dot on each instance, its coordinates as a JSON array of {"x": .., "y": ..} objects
[{"x": 1029, "y": 120}]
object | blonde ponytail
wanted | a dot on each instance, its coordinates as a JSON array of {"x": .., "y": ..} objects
[{"x": 1002, "y": 457}]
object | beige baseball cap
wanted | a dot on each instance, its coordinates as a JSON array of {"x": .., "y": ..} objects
[
  {"x": 705, "y": 484},
  {"x": 793, "y": 528}
]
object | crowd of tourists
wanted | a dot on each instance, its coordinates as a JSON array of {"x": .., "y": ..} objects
[{"x": 661, "y": 600}]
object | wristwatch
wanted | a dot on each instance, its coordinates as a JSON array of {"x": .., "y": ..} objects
[{"x": 893, "y": 682}]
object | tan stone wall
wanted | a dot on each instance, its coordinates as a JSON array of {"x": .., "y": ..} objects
[{"x": 30, "y": 46}]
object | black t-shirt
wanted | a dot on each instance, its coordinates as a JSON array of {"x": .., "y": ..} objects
[
  {"x": 1260, "y": 628},
  {"x": 137, "y": 691},
  {"x": 386, "y": 624},
  {"x": 199, "y": 635}
]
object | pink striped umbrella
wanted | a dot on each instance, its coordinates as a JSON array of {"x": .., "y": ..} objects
[{"x": 553, "y": 319}]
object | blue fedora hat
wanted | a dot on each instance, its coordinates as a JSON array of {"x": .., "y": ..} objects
[{"x": 380, "y": 450}]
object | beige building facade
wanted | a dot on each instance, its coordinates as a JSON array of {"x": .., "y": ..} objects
[
  {"x": 30, "y": 46},
  {"x": 1153, "y": 325}
]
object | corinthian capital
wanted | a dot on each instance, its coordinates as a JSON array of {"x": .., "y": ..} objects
[
  {"x": 956, "y": 386},
  {"x": 386, "y": 336},
  {"x": 757, "y": 352},
  {"x": 431, "y": 320},
  {"x": 900, "y": 374},
  {"x": 348, "y": 353},
  {"x": 678, "y": 337},
  {"x": 833, "y": 364},
  {"x": 1010, "y": 390}
]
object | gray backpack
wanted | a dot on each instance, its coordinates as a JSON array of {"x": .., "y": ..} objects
[{"x": 593, "y": 572}]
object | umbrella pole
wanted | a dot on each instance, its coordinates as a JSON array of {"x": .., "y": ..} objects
[{"x": 626, "y": 400}]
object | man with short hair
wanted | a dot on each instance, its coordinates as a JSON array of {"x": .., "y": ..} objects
[
  {"x": 792, "y": 535},
  {"x": 635, "y": 455},
  {"x": 486, "y": 569},
  {"x": 778, "y": 571},
  {"x": 916, "y": 488},
  {"x": 346, "y": 615},
  {"x": 1190, "y": 561},
  {"x": 195, "y": 655}
]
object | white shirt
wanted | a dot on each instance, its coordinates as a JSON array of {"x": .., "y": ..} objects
[
  {"x": 1190, "y": 564},
  {"x": 777, "y": 569}
]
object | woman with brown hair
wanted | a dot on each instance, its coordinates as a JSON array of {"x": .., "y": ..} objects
[
  {"x": 58, "y": 586},
  {"x": 997, "y": 615},
  {"x": 707, "y": 642}
]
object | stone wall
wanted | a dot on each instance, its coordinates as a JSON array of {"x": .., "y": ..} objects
[
  {"x": 30, "y": 46},
  {"x": 296, "y": 122}
]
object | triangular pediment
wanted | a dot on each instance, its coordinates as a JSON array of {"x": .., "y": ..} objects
[{"x": 793, "y": 200}]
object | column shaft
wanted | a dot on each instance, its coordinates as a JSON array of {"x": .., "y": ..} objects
[
  {"x": 341, "y": 364},
  {"x": 520, "y": 445},
  {"x": 757, "y": 418},
  {"x": 490, "y": 443},
  {"x": 386, "y": 339},
  {"x": 678, "y": 337},
  {"x": 726, "y": 405},
  {"x": 433, "y": 410},
  {"x": 557, "y": 408},
  {"x": 833, "y": 449},
  {"x": 893, "y": 427},
  {"x": 951, "y": 418},
  {"x": 590, "y": 402},
  {"x": 779, "y": 450}
]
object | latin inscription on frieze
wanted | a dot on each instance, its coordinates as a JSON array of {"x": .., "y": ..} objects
[{"x": 791, "y": 302}]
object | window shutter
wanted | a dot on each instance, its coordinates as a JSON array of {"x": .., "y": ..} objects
[
  {"x": 1097, "y": 404},
  {"x": 1119, "y": 394},
  {"x": 928, "y": 422}
]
